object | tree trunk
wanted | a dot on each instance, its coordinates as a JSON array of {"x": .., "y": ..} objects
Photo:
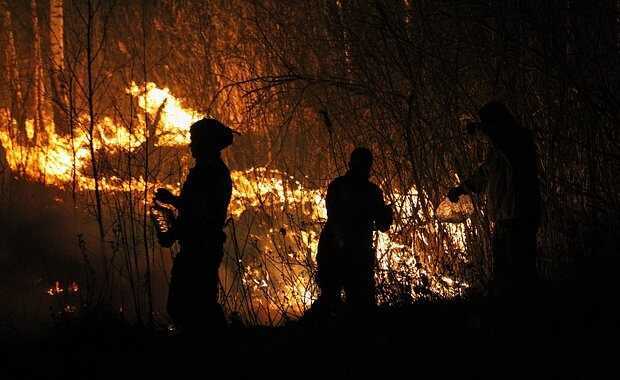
[
  {"x": 57, "y": 66},
  {"x": 145, "y": 226},
  {"x": 90, "y": 21},
  {"x": 39, "y": 113},
  {"x": 12, "y": 70},
  {"x": 617, "y": 24}
]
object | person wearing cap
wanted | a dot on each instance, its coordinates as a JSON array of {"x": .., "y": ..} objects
[
  {"x": 346, "y": 258},
  {"x": 509, "y": 179},
  {"x": 202, "y": 211}
]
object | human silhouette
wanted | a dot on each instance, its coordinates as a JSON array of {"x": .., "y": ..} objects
[
  {"x": 346, "y": 258},
  {"x": 509, "y": 179},
  {"x": 202, "y": 209}
]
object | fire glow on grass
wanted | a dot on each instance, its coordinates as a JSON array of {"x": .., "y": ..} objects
[{"x": 280, "y": 279}]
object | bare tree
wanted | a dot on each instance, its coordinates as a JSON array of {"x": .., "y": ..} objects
[
  {"x": 39, "y": 100},
  {"x": 57, "y": 65},
  {"x": 12, "y": 68}
]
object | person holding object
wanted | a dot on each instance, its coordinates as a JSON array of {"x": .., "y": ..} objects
[
  {"x": 202, "y": 210},
  {"x": 509, "y": 179}
]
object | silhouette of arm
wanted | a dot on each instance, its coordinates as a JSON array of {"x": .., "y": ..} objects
[
  {"x": 476, "y": 183},
  {"x": 331, "y": 202},
  {"x": 215, "y": 208},
  {"x": 336, "y": 211},
  {"x": 164, "y": 195},
  {"x": 383, "y": 213}
]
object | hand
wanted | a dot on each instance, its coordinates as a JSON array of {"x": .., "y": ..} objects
[
  {"x": 385, "y": 218},
  {"x": 454, "y": 193},
  {"x": 165, "y": 196}
]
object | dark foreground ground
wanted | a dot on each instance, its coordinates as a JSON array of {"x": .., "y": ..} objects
[{"x": 563, "y": 338}]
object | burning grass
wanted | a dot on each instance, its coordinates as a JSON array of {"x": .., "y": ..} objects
[{"x": 275, "y": 218}]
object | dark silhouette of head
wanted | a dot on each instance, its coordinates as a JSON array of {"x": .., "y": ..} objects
[
  {"x": 361, "y": 162},
  {"x": 496, "y": 122},
  {"x": 208, "y": 137},
  {"x": 495, "y": 114}
]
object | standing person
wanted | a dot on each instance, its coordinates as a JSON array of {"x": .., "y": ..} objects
[
  {"x": 346, "y": 258},
  {"x": 202, "y": 210},
  {"x": 509, "y": 179}
]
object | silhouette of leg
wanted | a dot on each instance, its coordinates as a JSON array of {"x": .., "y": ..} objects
[
  {"x": 192, "y": 298},
  {"x": 523, "y": 272},
  {"x": 214, "y": 314},
  {"x": 330, "y": 286},
  {"x": 329, "y": 275},
  {"x": 178, "y": 291},
  {"x": 359, "y": 283},
  {"x": 514, "y": 253},
  {"x": 500, "y": 286}
]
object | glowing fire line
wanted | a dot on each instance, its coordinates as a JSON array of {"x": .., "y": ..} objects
[{"x": 59, "y": 160}]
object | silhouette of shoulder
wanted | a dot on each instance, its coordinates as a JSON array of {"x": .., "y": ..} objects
[
  {"x": 352, "y": 196},
  {"x": 337, "y": 182},
  {"x": 210, "y": 176},
  {"x": 347, "y": 181}
]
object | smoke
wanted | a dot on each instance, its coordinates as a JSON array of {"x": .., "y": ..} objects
[{"x": 38, "y": 246}]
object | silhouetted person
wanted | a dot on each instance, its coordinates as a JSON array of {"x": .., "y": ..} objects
[
  {"x": 346, "y": 258},
  {"x": 509, "y": 179},
  {"x": 202, "y": 210}
]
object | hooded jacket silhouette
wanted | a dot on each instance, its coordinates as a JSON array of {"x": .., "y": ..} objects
[{"x": 508, "y": 178}]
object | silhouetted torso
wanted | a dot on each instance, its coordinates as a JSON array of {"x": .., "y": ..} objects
[
  {"x": 346, "y": 258},
  {"x": 204, "y": 203},
  {"x": 509, "y": 176},
  {"x": 352, "y": 208}
]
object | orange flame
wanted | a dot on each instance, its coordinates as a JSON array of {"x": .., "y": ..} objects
[{"x": 59, "y": 160}]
